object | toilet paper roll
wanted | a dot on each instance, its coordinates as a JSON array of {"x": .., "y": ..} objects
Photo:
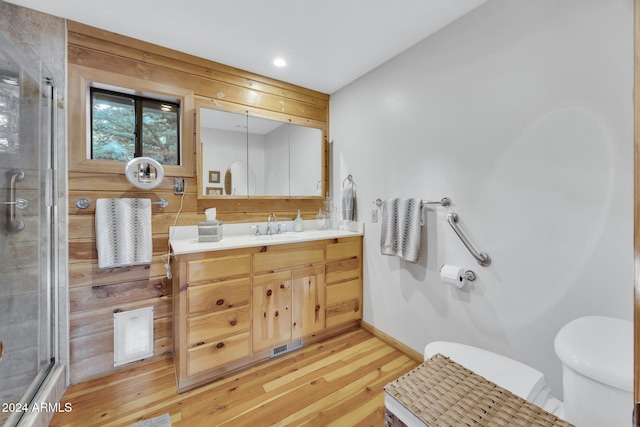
[{"x": 452, "y": 275}]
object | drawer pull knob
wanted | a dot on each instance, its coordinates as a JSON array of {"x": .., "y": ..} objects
[
  {"x": 281, "y": 285},
  {"x": 220, "y": 302},
  {"x": 269, "y": 292},
  {"x": 233, "y": 322},
  {"x": 220, "y": 345},
  {"x": 277, "y": 314},
  {"x": 317, "y": 307}
]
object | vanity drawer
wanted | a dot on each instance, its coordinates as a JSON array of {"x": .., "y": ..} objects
[
  {"x": 218, "y": 353},
  {"x": 280, "y": 260},
  {"x": 344, "y": 249},
  {"x": 344, "y": 302},
  {"x": 208, "y": 327},
  {"x": 215, "y": 269},
  {"x": 213, "y": 297},
  {"x": 341, "y": 271}
]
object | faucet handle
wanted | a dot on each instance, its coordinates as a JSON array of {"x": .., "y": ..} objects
[{"x": 257, "y": 228}]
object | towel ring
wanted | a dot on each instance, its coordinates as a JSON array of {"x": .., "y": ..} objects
[{"x": 350, "y": 179}]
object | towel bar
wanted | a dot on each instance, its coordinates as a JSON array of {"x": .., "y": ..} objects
[
  {"x": 84, "y": 203},
  {"x": 445, "y": 201}
]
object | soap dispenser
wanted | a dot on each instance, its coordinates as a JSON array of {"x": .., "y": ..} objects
[{"x": 298, "y": 225}]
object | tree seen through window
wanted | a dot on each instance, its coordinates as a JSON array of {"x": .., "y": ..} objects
[{"x": 125, "y": 126}]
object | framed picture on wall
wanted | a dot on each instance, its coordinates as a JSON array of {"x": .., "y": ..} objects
[
  {"x": 214, "y": 177},
  {"x": 214, "y": 191}
]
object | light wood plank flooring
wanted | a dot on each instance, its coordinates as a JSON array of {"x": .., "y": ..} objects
[{"x": 335, "y": 382}]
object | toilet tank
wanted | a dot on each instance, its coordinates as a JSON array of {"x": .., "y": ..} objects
[
  {"x": 520, "y": 379},
  {"x": 597, "y": 370}
]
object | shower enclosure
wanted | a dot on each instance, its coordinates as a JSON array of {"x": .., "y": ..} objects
[{"x": 28, "y": 227}]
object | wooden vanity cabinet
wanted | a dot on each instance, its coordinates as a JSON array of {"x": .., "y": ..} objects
[{"x": 232, "y": 307}]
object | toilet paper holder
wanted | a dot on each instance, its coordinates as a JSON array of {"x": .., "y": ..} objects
[{"x": 469, "y": 275}]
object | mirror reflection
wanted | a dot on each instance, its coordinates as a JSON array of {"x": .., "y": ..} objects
[
  {"x": 243, "y": 155},
  {"x": 239, "y": 180}
]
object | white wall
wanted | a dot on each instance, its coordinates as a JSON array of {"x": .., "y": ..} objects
[{"x": 521, "y": 112}]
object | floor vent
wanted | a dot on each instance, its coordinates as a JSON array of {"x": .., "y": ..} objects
[{"x": 286, "y": 348}]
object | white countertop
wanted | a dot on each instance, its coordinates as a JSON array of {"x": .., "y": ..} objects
[{"x": 184, "y": 239}]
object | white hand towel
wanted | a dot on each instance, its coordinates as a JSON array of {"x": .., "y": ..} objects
[
  {"x": 401, "y": 228},
  {"x": 123, "y": 232}
]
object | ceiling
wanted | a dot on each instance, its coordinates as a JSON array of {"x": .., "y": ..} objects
[{"x": 327, "y": 43}]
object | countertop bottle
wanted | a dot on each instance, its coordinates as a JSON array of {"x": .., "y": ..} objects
[
  {"x": 321, "y": 220},
  {"x": 298, "y": 225}
]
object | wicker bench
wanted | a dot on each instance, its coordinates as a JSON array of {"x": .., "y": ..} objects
[{"x": 441, "y": 392}]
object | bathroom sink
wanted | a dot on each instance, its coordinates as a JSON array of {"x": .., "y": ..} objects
[{"x": 282, "y": 237}]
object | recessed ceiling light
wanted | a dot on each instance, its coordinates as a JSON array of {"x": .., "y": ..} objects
[{"x": 279, "y": 62}]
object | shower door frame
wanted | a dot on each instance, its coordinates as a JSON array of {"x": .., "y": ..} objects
[
  {"x": 636, "y": 212},
  {"x": 49, "y": 383}
]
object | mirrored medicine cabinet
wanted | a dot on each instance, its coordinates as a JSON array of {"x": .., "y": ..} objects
[{"x": 244, "y": 154}]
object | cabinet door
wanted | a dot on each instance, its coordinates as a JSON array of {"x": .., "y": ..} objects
[
  {"x": 308, "y": 301},
  {"x": 271, "y": 310}
]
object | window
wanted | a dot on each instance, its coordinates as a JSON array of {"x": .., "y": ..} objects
[{"x": 125, "y": 126}]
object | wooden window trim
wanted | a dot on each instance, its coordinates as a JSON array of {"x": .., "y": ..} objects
[{"x": 79, "y": 157}]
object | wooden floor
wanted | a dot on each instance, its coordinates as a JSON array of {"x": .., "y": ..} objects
[{"x": 336, "y": 382}]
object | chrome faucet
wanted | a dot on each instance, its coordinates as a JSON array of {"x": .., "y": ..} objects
[{"x": 275, "y": 221}]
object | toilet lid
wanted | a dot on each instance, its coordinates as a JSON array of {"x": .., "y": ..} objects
[{"x": 600, "y": 348}]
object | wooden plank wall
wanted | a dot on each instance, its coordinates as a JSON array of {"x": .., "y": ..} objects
[{"x": 96, "y": 294}]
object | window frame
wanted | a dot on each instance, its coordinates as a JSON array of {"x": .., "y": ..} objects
[
  {"x": 82, "y": 78},
  {"x": 138, "y": 109}
]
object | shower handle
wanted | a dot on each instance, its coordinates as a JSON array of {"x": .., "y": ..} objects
[{"x": 13, "y": 224}]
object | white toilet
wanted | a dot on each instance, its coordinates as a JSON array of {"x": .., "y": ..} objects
[
  {"x": 597, "y": 371},
  {"x": 520, "y": 379}
]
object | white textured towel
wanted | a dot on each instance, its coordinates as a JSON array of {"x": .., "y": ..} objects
[
  {"x": 401, "y": 228},
  {"x": 123, "y": 232},
  {"x": 349, "y": 205}
]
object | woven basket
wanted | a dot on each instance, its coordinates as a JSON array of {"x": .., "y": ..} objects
[{"x": 440, "y": 392}]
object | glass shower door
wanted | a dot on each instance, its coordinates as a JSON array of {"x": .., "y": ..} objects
[{"x": 27, "y": 234}]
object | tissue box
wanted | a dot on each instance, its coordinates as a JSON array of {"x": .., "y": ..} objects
[{"x": 209, "y": 231}]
